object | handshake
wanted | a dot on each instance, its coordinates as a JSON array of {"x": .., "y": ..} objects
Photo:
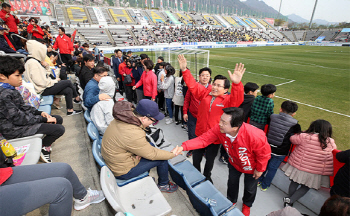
[{"x": 177, "y": 150}]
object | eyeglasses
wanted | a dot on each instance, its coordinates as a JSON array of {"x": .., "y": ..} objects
[
  {"x": 153, "y": 120},
  {"x": 216, "y": 85}
]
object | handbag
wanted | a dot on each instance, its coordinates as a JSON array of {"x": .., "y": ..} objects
[{"x": 127, "y": 79}]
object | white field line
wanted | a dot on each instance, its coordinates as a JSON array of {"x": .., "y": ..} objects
[
  {"x": 320, "y": 108},
  {"x": 269, "y": 60},
  {"x": 309, "y": 105}
]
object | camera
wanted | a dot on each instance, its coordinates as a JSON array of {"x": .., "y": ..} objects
[{"x": 135, "y": 59}]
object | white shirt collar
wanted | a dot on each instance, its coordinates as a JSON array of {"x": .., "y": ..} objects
[{"x": 231, "y": 137}]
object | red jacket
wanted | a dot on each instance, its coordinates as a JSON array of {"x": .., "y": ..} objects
[
  {"x": 11, "y": 22},
  {"x": 37, "y": 34},
  {"x": 64, "y": 44},
  {"x": 249, "y": 151},
  {"x": 209, "y": 114},
  {"x": 308, "y": 155},
  {"x": 191, "y": 104},
  {"x": 149, "y": 82},
  {"x": 123, "y": 69}
]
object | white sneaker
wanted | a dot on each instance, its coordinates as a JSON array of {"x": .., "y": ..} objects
[
  {"x": 169, "y": 122},
  {"x": 92, "y": 196}
]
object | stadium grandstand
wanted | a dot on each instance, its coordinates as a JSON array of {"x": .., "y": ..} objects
[{"x": 89, "y": 90}]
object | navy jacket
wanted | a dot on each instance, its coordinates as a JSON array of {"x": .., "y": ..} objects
[
  {"x": 116, "y": 64},
  {"x": 4, "y": 45},
  {"x": 136, "y": 73}
]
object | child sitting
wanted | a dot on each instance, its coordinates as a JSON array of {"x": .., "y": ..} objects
[
  {"x": 19, "y": 120},
  {"x": 250, "y": 93},
  {"x": 282, "y": 127},
  {"x": 262, "y": 106}
]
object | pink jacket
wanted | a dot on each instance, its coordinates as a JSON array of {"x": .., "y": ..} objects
[{"x": 308, "y": 155}]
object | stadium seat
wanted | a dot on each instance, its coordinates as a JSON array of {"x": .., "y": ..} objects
[
  {"x": 33, "y": 154},
  {"x": 96, "y": 151},
  {"x": 46, "y": 100},
  {"x": 233, "y": 212},
  {"x": 185, "y": 171},
  {"x": 141, "y": 197},
  {"x": 87, "y": 116},
  {"x": 45, "y": 108},
  {"x": 178, "y": 159},
  {"x": 122, "y": 183},
  {"x": 201, "y": 192},
  {"x": 93, "y": 132}
]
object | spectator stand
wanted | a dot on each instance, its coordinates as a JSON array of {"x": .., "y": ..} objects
[
  {"x": 121, "y": 16},
  {"x": 156, "y": 17},
  {"x": 233, "y": 22},
  {"x": 250, "y": 23},
  {"x": 76, "y": 14},
  {"x": 265, "y": 24},
  {"x": 212, "y": 21},
  {"x": 241, "y": 22},
  {"x": 184, "y": 18}
]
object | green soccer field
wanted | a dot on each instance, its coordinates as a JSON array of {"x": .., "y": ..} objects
[{"x": 316, "y": 77}]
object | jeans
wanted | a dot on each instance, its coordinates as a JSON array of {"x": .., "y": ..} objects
[
  {"x": 22, "y": 51},
  {"x": 191, "y": 124},
  {"x": 63, "y": 87},
  {"x": 271, "y": 169},
  {"x": 169, "y": 106},
  {"x": 33, "y": 186},
  {"x": 210, "y": 153},
  {"x": 233, "y": 186},
  {"x": 145, "y": 165},
  {"x": 52, "y": 131}
]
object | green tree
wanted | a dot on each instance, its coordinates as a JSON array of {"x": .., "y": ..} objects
[{"x": 279, "y": 22}]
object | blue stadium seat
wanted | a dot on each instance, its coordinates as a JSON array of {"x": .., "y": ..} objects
[
  {"x": 199, "y": 193},
  {"x": 45, "y": 108},
  {"x": 96, "y": 151},
  {"x": 87, "y": 116},
  {"x": 93, "y": 132},
  {"x": 185, "y": 170},
  {"x": 46, "y": 100},
  {"x": 121, "y": 183},
  {"x": 233, "y": 212}
]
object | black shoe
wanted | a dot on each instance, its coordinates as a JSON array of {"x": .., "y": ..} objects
[
  {"x": 223, "y": 160},
  {"x": 177, "y": 122},
  {"x": 166, "y": 114},
  {"x": 45, "y": 156},
  {"x": 76, "y": 102},
  {"x": 162, "y": 109},
  {"x": 74, "y": 112},
  {"x": 286, "y": 201}
]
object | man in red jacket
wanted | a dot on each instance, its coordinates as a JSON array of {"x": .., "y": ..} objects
[
  {"x": 34, "y": 29},
  {"x": 248, "y": 150},
  {"x": 11, "y": 21},
  {"x": 64, "y": 43},
  {"x": 212, "y": 100}
]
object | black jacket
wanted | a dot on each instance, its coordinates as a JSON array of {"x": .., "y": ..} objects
[
  {"x": 342, "y": 178},
  {"x": 85, "y": 76},
  {"x": 17, "y": 119},
  {"x": 284, "y": 148},
  {"x": 246, "y": 105},
  {"x": 4, "y": 46}
]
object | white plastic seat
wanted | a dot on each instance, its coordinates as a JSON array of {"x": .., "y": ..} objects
[
  {"x": 33, "y": 154},
  {"x": 141, "y": 197}
]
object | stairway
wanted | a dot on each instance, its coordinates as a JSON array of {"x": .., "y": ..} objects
[
  {"x": 285, "y": 36},
  {"x": 134, "y": 36},
  {"x": 304, "y": 36},
  {"x": 65, "y": 14},
  {"x": 88, "y": 15},
  {"x": 153, "y": 35},
  {"x": 295, "y": 37},
  {"x": 335, "y": 35},
  {"x": 109, "y": 35}
]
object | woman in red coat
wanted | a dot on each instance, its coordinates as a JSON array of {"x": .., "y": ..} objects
[{"x": 311, "y": 162}]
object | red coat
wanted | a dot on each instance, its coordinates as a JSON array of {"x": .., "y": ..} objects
[
  {"x": 64, "y": 44},
  {"x": 209, "y": 114},
  {"x": 249, "y": 151},
  {"x": 149, "y": 82},
  {"x": 191, "y": 104},
  {"x": 11, "y": 22},
  {"x": 308, "y": 155},
  {"x": 37, "y": 34}
]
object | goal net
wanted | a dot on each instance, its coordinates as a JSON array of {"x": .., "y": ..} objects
[{"x": 196, "y": 58}]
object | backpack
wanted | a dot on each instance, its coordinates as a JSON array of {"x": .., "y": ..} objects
[{"x": 155, "y": 135}]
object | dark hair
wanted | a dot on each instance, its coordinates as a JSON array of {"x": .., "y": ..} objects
[
  {"x": 88, "y": 57},
  {"x": 100, "y": 70},
  {"x": 85, "y": 45},
  {"x": 149, "y": 64},
  {"x": 170, "y": 70},
  {"x": 289, "y": 107},
  {"x": 136, "y": 113},
  {"x": 5, "y": 5},
  {"x": 204, "y": 69},
  {"x": 117, "y": 50},
  {"x": 62, "y": 29},
  {"x": 32, "y": 18},
  {"x": 129, "y": 52},
  {"x": 324, "y": 130},
  {"x": 221, "y": 77},
  {"x": 237, "y": 115},
  {"x": 9, "y": 65},
  {"x": 69, "y": 35},
  {"x": 143, "y": 56},
  {"x": 249, "y": 86},
  {"x": 161, "y": 58},
  {"x": 268, "y": 89},
  {"x": 163, "y": 64},
  {"x": 336, "y": 206}
]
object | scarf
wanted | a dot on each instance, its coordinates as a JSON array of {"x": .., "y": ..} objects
[
  {"x": 6, "y": 85},
  {"x": 9, "y": 42}
]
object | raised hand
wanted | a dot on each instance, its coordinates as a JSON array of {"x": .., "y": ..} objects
[
  {"x": 182, "y": 62},
  {"x": 237, "y": 75}
]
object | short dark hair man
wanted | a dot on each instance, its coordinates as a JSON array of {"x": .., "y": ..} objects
[
  {"x": 65, "y": 45},
  {"x": 11, "y": 21},
  {"x": 116, "y": 61},
  {"x": 247, "y": 148}
]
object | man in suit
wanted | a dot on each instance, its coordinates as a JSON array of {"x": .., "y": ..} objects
[{"x": 117, "y": 60}]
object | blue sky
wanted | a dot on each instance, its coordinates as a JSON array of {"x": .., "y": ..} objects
[{"x": 330, "y": 10}]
